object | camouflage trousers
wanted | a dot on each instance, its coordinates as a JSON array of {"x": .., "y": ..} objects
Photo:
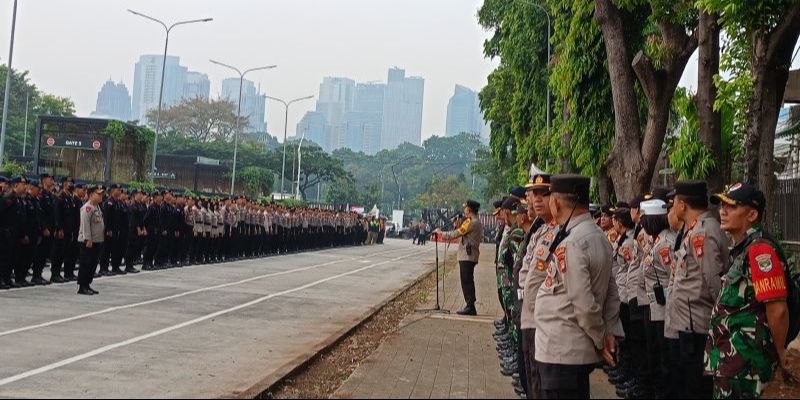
[{"x": 728, "y": 388}]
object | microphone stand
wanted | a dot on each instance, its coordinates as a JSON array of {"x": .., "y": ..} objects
[{"x": 437, "y": 308}]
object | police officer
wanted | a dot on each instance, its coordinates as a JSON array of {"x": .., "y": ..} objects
[
  {"x": 137, "y": 231},
  {"x": 45, "y": 248},
  {"x": 38, "y": 225},
  {"x": 533, "y": 273},
  {"x": 574, "y": 323},
  {"x": 91, "y": 236},
  {"x": 700, "y": 263},
  {"x": 471, "y": 235},
  {"x": 750, "y": 320},
  {"x": 110, "y": 211},
  {"x": 29, "y": 235},
  {"x": 64, "y": 230},
  {"x": 152, "y": 221},
  {"x": 11, "y": 220}
]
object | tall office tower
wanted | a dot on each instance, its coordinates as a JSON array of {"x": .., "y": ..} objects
[
  {"x": 197, "y": 86},
  {"x": 313, "y": 127},
  {"x": 254, "y": 103},
  {"x": 402, "y": 110},
  {"x": 464, "y": 113},
  {"x": 113, "y": 101},
  {"x": 369, "y": 103},
  {"x": 147, "y": 83}
]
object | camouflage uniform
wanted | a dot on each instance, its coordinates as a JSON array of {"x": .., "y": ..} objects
[
  {"x": 740, "y": 353},
  {"x": 505, "y": 269}
]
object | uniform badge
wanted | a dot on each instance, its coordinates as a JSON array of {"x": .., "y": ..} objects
[
  {"x": 548, "y": 282},
  {"x": 540, "y": 252},
  {"x": 561, "y": 256},
  {"x": 626, "y": 254},
  {"x": 549, "y": 237},
  {"x": 88, "y": 209},
  {"x": 540, "y": 266},
  {"x": 666, "y": 258},
  {"x": 764, "y": 262},
  {"x": 699, "y": 243}
]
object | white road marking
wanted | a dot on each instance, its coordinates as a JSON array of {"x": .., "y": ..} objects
[
  {"x": 176, "y": 296},
  {"x": 207, "y": 317}
]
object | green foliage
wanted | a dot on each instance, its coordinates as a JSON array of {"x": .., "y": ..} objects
[
  {"x": 12, "y": 169},
  {"x": 146, "y": 187},
  {"x": 40, "y": 103},
  {"x": 292, "y": 203},
  {"x": 116, "y": 130},
  {"x": 450, "y": 193},
  {"x": 257, "y": 181}
]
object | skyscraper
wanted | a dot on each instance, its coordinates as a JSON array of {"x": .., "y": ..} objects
[
  {"x": 113, "y": 101},
  {"x": 313, "y": 126},
  {"x": 464, "y": 113},
  {"x": 402, "y": 110},
  {"x": 197, "y": 85},
  {"x": 336, "y": 99},
  {"x": 369, "y": 102},
  {"x": 147, "y": 83},
  {"x": 254, "y": 103}
]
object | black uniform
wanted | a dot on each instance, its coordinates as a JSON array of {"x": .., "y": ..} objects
[
  {"x": 136, "y": 213},
  {"x": 30, "y": 233},
  {"x": 152, "y": 221},
  {"x": 109, "y": 206},
  {"x": 120, "y": 220},
  {"x": 45, "y": 247},
  {"x": 65, "y": 233},
  {"x": 10, "y": 222}
]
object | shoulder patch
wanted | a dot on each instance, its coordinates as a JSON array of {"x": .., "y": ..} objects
[
  {"x": 549, "y": 236},
  {"x": 626, "y": 253},
  {"x": 764, "y": 262},
  {"x": 88, "y": 208},
  {"x": 561, "y": 256},
  {"x": 699, "y": 243},
  {"x": 666, "y": 257}
]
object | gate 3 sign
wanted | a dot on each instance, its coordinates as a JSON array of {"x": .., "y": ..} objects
[{"x": 83, "y": 144}]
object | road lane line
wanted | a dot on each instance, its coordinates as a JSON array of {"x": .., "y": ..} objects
[
  {"x": 105, "y": 349},
  {"x": 179, "y": 295}
]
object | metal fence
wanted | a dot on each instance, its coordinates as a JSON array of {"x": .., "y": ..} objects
[{"x": 787, "y": 212}]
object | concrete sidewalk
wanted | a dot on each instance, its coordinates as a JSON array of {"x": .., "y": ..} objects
[
  {"x": 440, "y": 355},
  {"x": 444, "y": 355}
]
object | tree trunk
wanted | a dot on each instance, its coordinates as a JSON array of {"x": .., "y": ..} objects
[
  {"x": 709, "y": 120},
  {"x": 604, "y": 186},
  {"x": 623, "y": 166},
  {"x": 634, "y": 156},
  {"x": 770, "y": 59}
]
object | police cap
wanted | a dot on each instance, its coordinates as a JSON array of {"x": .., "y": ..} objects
[
  {"x": 690, "y": 189},
  {"x": 571, "y": 184},
  {"x": 539, "y": 182},
  {"x": 473, "y": 205},
  {"x": 742, "y": 194}
]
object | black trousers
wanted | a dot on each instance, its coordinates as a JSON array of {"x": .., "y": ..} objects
[
  {"x": 467, "y": 269},
  {"x": 533, "y": 386},
  {"x": 88, "y": 263},
  {"x": 657, "y": 357},
  {"x": 564, "y": 381},
  {"x": 134, "y": 250},
  {"x": 71, "y": 254},
  {"x": 7, "y": 257},
  {"x": 151, "y": 249},
  {"x": 687, "y": 366},
  {"x": 24, "y": 260},
  {"x": 40, "y": 255},
  {"x": 118, "y": 249},
  {"x": 105, "y": 255}
]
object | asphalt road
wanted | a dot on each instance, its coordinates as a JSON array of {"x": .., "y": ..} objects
[{"x": 205, "y": 331}]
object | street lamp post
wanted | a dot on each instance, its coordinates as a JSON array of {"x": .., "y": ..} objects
[
  {"x": 286, "y": 105},
  {"x": 299, "y": 164},
  {"x": 544, "y": 10},
  {"x": 167, "y": 29},
  {"x": 238, "y": 113},
  {"x": 7, "y": 99}
]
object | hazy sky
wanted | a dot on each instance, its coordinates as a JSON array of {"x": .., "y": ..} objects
[{"x": 72, "y": 47}]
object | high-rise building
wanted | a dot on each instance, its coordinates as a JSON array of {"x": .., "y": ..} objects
[
  {"x": 114, "y": 102},
  {"x": 369, "y": 103},
  {"x": 402, "y": 110},
  {"x": 147, "y": 83},
  {"x": 197, "y": 86},
  {"x": 313, "y": 127},
  {"x": 464, "y": 113},
  {"x": 254, "y": 103}
]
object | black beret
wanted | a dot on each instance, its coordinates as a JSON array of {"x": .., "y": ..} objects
[
  {"x": 473, "y": 205},
  {"x": 35, "y": 182},
  {"x": 16, "y": 180},
  {"x": 689, "y": 188},
  {"x": 44, "y": 176},
  {"x": 67, "y": 179},
  {"x": 80, "y": 185},
  {"x": 497, "y": 204},
  {"x": 114, "y": 186},
  {"x": 571, "y": 184},
  {"x": 517, "y": 191},
  {"x": 510, "y": 204}
]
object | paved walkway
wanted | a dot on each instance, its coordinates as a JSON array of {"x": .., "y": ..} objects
[
  {"x": 445, "y": 356},
  {"x": 208, "y": 331}
]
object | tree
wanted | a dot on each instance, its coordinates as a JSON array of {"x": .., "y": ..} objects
[
  {"x": 655, "y": 69},
  {"x": 257, "y": 181},
  {"x": 761, "y": 38},
  {"x": 317, "y": 167},
  {"x": 449, "y": 193},
  {"x": 200, "y": 118},
  {"x": 40, "y": 103},
  {"x": 709, "y": 119}
]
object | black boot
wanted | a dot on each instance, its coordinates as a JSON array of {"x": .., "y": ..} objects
[{"x": 469, "y": 310}]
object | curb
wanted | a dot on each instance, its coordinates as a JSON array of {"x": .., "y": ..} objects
[{"x": 301, "y": 362}]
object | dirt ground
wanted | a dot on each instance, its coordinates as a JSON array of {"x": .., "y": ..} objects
[
  {"x": 328, "y": 370},
  {"x": 783, "y": 389}
]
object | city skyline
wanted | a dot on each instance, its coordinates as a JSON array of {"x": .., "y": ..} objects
[{"x": 354, "y": 38}]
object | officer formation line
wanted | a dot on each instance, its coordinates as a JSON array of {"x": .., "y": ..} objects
[
  {"x": 666, "y": 299},
  {"x": 107, "y": 233}
]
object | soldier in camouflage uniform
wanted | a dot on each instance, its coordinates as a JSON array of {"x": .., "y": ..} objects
[
  {"x": 749, "y": 324},
  {"x": 515, "y": 236}
]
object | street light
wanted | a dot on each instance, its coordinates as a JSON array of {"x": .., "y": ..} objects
[
  {"x": 8, "y": 86},
  {"x": 238, "y": 113},
  {"x": 299, "y": 164},
  {"x": 544, "y": 10},
  {"x": 286, "y": 105},
  {"x": 168, "y": 29}
]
